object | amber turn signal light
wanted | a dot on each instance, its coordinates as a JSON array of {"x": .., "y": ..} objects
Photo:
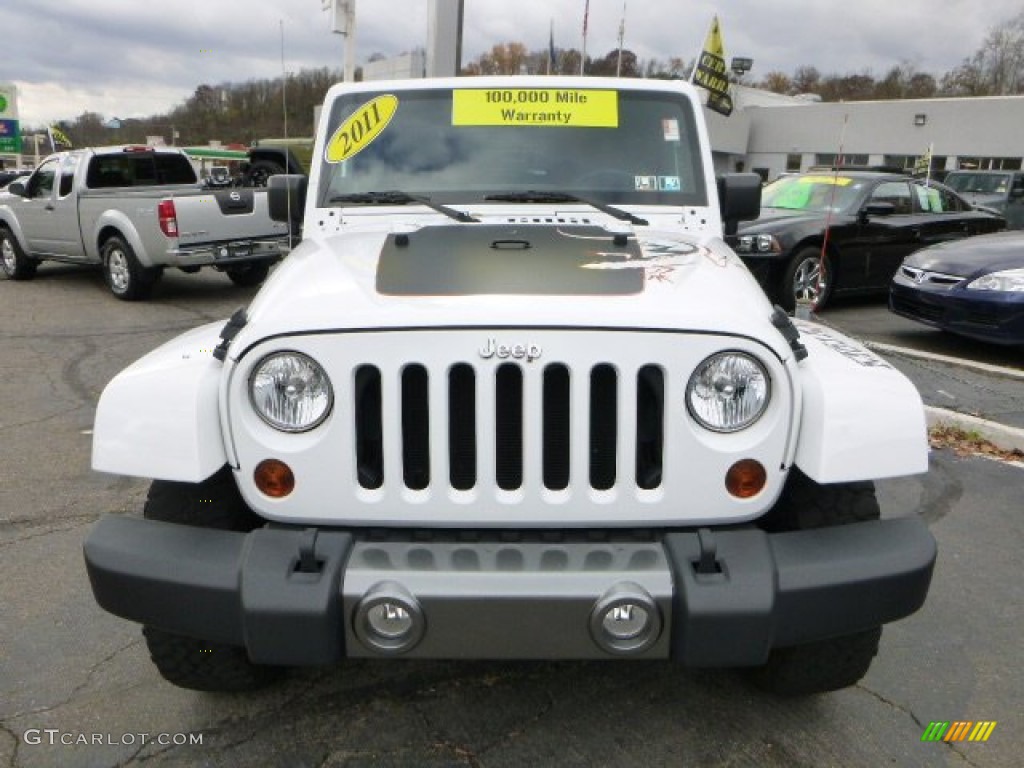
[
  {"x": 274, "y": 478},
  {"x": 745, "y": 478}
]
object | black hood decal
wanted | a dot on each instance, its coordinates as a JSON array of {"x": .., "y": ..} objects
[{"x": 510, "y": 259}]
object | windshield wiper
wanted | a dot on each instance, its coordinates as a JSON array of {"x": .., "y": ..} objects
[
  {"x": 533, "y": 196},
  {"x": 397, "y": 197}
]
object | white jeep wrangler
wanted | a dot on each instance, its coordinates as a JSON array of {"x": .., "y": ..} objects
[{"x": 513, "y": 396}]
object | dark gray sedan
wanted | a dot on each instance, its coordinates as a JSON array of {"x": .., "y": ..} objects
[{"x": 973, "y": 287}]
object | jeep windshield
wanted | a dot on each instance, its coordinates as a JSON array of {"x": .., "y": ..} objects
[{"x": 468, "y": 145}]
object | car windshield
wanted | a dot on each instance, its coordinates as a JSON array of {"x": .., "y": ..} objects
[
  {"x": 812, "y": 193},
  {"x": 985, "y": 183},
  {"x": 465, "y": 144}
]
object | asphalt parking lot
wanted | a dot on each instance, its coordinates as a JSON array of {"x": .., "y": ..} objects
[{"x": 77, "y": 689}]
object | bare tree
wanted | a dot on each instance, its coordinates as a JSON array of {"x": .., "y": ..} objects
[{"x": 996, "y": 69}]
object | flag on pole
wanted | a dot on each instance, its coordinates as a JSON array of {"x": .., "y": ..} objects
[
  {"x": 711, "y": 72},
  {"x": 923, "y": 164},
  {"x": 58, "y": 139}
]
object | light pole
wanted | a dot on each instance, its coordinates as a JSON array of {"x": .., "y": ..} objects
[{"x": 343, "y": 22}]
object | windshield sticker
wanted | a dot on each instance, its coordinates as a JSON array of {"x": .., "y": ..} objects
[
  {"x": 535, "y": 107},
  {"x": 839, "y": 181},
  {"x": 645, "y": 183},
  {"x": 668, "y": 183},
  {"x": 670, "y": 128},
  {"x": 361, "y": 128}
]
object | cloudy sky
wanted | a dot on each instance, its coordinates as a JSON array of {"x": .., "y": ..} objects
[{"x": 127, "y": 58}]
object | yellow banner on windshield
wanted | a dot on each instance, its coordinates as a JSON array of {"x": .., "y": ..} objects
[{"x": 567, "y": 107}]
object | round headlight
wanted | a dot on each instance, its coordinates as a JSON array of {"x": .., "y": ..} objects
[
  {"x": 728, "y": 392},
  {"x": 290, "y": 392}
]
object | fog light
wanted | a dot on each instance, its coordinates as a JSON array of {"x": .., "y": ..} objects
[
  {"x": 625, "y": 620},
  {"x": 745, "y": 479},
  {"x": 274, "y": 478},
  {"x": 389, "y": 620}
]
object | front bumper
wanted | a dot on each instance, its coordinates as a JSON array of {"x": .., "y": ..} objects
[
  {"x": 295, "y": 597},
  {"x": 984, "y": 315}
]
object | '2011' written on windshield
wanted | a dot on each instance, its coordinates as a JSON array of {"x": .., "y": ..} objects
[{"x": 361, "y": 128}]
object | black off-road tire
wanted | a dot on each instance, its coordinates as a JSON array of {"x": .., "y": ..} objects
[
  {"x": 249, "y": 274},
  {"x": 190, "y": 662},
  {"x": 802, "y": 264},
  {"x": 124, "y": 275},
  {"x": 262, "y": 170},
  {"x": 838, "y": 662},
  {"x": 14, "y": 262},
  {"x": 820, "y": 667},
  {"x": 203, "y": 666}
]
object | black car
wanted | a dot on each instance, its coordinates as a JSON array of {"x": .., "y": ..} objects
[
  {"x": 6, "y": 177},
  {"x": 972, "y": 287},
  {"x": 863, "y": 222}
]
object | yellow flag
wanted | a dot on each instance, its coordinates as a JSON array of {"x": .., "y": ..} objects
[{"x": 711, "y": 72}]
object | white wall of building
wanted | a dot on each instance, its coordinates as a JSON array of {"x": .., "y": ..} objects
[{"x": 990, "y": 128}]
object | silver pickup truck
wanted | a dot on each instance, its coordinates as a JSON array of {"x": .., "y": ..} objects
[{"x": 134, "y": 211}]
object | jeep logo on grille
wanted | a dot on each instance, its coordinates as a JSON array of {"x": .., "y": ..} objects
[{"x": 528, "y": 352}]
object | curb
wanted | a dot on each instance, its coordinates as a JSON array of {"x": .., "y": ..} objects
[
  {"x": 914, "y": 354},
  {"x": 1000, "y": 435}
]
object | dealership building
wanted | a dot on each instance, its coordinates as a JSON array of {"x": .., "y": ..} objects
[{"x": 773, "y": 134}]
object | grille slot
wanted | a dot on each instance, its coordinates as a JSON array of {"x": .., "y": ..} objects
[
  {"x": 508, "y": 427},
  {"x": 368, "y": 427},
  {"x": 557, "y": 424},
  {"x": 462, "y": 427},
  {"x": 650, "y": 426},
  {"x": 603, "y": 426},
  {"x": 505, "y": 405},
  {"x": 415, "y": 428}
]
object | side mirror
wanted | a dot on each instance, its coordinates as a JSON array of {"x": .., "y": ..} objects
[
  {"x": 877, "y": 209},
  {"x": 739, "y": 199},
  {"x": 286, "y": 196},
  {"x": 16, "y": 188}
]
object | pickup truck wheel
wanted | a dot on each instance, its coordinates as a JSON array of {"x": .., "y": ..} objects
[
  {"x": 186, "y": 661},
  {"x": 838, "y": 662},
  {"x": 253, "y": 273},
  {"x": 127, "y": 279},
  {"x": 802, "y": 280},
  {"x": 16, "y": 264}
]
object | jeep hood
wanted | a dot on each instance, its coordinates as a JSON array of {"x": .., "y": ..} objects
[{"x": 473, "y": 275}]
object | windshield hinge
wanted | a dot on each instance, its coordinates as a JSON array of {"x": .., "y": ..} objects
[
  {"x": 782, "y": 321},
  {"x": 229, "y": 331}
]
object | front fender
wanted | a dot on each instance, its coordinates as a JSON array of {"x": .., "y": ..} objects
[
  {"x": 159, "y": 417},
  {"x": 862, "y": 419},
  {"x": 10, "y": 220}
]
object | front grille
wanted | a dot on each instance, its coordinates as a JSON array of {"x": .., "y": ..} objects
[
  {"x": 464, "y": 421},
  {"x": 917, "y": 309}
]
